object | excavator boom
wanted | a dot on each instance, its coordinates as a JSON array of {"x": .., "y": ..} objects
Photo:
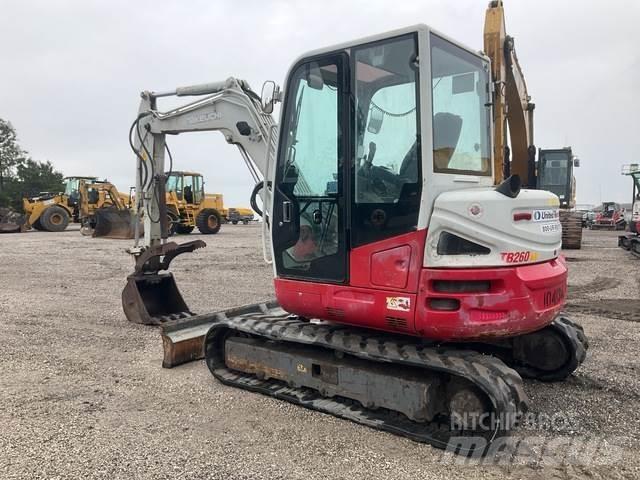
[{"x": 512, "y": 103}]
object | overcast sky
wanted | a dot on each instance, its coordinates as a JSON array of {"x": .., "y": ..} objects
[{"x": 71, "y": 72}]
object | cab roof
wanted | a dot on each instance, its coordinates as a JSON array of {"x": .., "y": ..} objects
[{"x": 183, "y": 172}]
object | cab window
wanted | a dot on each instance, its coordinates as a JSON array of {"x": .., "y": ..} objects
[
  {"x": 387, "y": 179},
  {"x": 461, "y": 111}
]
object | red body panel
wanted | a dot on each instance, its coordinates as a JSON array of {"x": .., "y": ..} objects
[
  {"x": 391, "y": 290},
  {"x": 393, "y": 264},
  {"x": 519, "y": 300}
]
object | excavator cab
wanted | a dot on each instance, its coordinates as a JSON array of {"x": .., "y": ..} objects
[
  {"x": 189, "y": 207},
  {"x": 72, "y": 189},
  {"x": 187, "y": 187},
  {"x": 555, "y": 174}
]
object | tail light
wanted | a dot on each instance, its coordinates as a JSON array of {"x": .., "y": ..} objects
[{"x": 517, "y": 217}]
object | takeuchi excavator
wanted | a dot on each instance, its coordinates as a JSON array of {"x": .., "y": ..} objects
[{"x": 411, "y": 293}]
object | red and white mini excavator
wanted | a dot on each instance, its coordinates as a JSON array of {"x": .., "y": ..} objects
[{"x": 410, "y": 289}]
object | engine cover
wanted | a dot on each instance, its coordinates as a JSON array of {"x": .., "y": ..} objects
[{"x": 484, "y": 228}]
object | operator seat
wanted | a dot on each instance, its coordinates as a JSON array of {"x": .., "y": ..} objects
[
  {"x": 93, "y": 196},
  {"x": 188, "y": 194},
  {"x": 446, "y": 133}
]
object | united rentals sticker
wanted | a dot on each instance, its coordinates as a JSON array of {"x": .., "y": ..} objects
[
  {"x": 401, "y": 304},
  {"x": 546, "y": 215}
]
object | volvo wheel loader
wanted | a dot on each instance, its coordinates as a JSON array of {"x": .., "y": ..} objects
[
  {"x": 188, "y": 206},
  {"x": 412, "y": 294}
]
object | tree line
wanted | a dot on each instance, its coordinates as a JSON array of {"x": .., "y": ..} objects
[{"x": 20, "y": 175}]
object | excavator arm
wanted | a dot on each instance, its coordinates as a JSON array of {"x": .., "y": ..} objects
[
  {"x": 513, "y": 110},
  {"x": 229, "y": 107}
]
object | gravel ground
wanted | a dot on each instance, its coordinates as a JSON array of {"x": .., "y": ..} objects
[{"x": 82, "y": 393}]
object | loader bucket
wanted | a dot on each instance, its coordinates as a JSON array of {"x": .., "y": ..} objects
[
  {"x": 8, "y": 227},
  {"x": 11, "y": 221},
  {"x": 151, "y": 297},
  {"x": 114, "y": 223}
]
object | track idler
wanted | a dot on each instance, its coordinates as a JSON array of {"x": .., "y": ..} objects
[{"x": 151, "y": 297}]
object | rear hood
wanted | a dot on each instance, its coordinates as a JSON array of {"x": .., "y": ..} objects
[{"x": 503, "y": 231}]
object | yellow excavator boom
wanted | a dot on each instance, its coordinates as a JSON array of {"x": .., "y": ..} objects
[{"x": 512, "y": 103}]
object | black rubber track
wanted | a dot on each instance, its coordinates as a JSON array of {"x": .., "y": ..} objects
[{"x": 502, "y": 385}]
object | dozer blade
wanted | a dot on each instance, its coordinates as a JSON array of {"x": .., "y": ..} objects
[
  {"x": 153, "y": 298},
  {"x": 183, "y": 340},
  {"x": 114, "y": 223}
]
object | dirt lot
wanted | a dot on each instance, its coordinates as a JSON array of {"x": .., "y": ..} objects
[{"x": 82, "y": 393}]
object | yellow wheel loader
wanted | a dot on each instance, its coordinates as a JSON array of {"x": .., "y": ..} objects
[
  {"x": 189, "y": 207},
  {"x": 52, "y": 212},
  {"x": 104, "y": 211}
]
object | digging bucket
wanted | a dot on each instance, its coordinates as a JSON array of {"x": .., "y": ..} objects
[{"x": 151, "y": 297}]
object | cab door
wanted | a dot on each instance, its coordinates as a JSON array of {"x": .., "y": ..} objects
[{"x": 308, "y": 228}]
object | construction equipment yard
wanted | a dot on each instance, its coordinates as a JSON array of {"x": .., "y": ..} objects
[{"x": 83, "y": 394}]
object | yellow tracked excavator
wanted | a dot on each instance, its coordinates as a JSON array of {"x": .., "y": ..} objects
[{"x": 553, "y": 169}]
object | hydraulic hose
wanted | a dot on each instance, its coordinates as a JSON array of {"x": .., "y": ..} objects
[{"x": 259, "y": 186}]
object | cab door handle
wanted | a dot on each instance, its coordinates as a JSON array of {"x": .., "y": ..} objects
[{"x": 286, "y": 211}]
